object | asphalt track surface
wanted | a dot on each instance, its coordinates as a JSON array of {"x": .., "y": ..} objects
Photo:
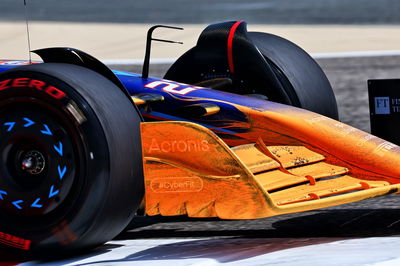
[
  {"x": 173, "y": 239},
  {"x": 206, "y": 11}
]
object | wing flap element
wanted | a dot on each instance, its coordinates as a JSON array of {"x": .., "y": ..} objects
[{"x": 191, "y": 171}]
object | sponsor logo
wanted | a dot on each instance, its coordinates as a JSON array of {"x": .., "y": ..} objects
[
  {"x": 384, "y": 148},
  {"x": 317, "y": 119},
  {"x": 395, "y": 105},
  {"x": 14, "y": 241},
  {"x": 176, "y": 184},
  {"x": 382, "y": 105},
  {"x": 175, "y": 88},
  {"x": 34, "y": 84},
  {"x": 366, "y": 139},
  {"x": 345, "y": 129},
  {"x": 179, "y": 146}
]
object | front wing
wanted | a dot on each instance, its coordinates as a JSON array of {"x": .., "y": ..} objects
[{"x": 191, "y": 171}]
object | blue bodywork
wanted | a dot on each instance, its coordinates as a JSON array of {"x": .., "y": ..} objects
[{"x": 230, "y": 120}]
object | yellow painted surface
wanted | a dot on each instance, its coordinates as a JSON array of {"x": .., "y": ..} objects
[
  {"x": 276, "y": 179},
  {"x": 190, "y": 171},
  {"x": 322, "y": 189}
]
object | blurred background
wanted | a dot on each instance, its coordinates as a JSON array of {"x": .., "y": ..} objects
[
  {"x": 207, "y": 11},
  {"x": 116, "y": 29},
  {"x": 351, "y": 40}
]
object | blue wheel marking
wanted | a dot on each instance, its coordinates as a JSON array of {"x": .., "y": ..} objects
[
  {"x": 46, "y": 130},
  {"x": 17, "y": 204},
  {"x": 2, "y": 192},
  {"x": 36, "y": 204},
  {"x": 61, "y": 172},
  {"x": 29, "y": 122},
  {"x": 59, "y": 148},
  {"x": 52, "y": 192},
  {"x": 10, "y": 125}
]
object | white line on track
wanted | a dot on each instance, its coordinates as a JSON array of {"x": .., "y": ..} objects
[
  {"x": 242, "y": 251},
  {"x": 159, "y": 61},
  {"x": 357, "y": 54}
]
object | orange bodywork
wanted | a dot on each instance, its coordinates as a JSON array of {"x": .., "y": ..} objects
[{"x": 293, "y": 160}]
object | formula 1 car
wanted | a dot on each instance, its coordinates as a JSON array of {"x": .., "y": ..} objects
[{"x": 243, "y": 126}]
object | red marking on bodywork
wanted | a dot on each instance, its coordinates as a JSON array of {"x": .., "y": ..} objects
[
  {"x": 230, "y": 44},
  {"x": 17, "y": 63},
  {"x": 156, "y": 117}
]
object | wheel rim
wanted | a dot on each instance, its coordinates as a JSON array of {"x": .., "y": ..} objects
[{"x": 38, "y": 159}]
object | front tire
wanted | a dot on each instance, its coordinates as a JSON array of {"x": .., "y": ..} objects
[
  {"x": 71, "y": 165},
  {"x": 303, "y": 79},
  {"x": 255, "y": 64}
]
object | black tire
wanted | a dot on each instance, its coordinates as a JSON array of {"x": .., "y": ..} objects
[
  {"x": 87, "y": 133},
  {"x": 302, "y": 77},
  {"x": 266, "y": 65}
]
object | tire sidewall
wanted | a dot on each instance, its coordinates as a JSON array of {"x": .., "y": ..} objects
[{"x": 81, "y": 224}]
